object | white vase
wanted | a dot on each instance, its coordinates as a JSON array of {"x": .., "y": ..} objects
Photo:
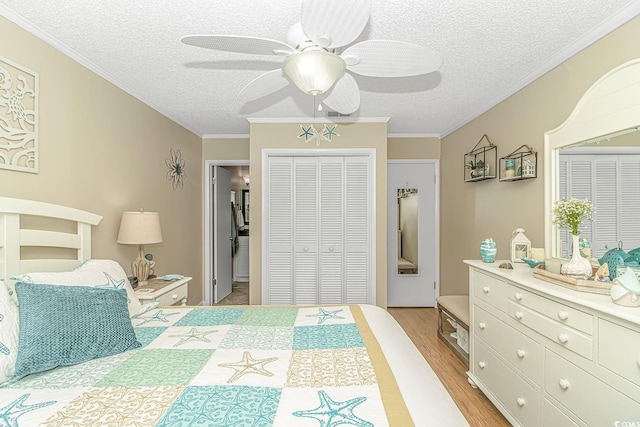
[{"x": 578, "y": 267}]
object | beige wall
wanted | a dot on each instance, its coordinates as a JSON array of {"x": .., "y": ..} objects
[
  {"x": 413, "y": 148},
  {"x": 477, "y": 210},
  {"x": 352, "y": 135},
  {"x": 103, "y": 151}
]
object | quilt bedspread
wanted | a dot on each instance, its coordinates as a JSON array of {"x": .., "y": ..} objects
[{"x": 223, "y": 366}]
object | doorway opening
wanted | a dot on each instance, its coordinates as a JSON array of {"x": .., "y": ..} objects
[{"x": 227, "y": 231}]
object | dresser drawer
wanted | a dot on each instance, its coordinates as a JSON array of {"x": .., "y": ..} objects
[
  {"x": 619, "y": 350},
  {"x": 174, "y": 296},
  {"x": 490, "y": 290},
  {"x": 553, "y": 417},
  {"x": 590, "y": 399},
  {"x": 519, "y": 398},
  {"x": 557, "y": 311},
  {"x": 522, "y": 352},
  {"x": 569, "y": 338}
]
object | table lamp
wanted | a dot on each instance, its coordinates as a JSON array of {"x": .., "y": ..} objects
[{"x": 140, "y": 228}]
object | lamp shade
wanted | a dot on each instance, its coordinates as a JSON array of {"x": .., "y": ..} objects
[
  {"x": 313, "y": 71},
  {"x": 140, "y": 228}
]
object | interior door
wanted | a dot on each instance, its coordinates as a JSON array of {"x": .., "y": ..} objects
[
  {"x": 412, "y": 278},
  {"x": 222, "y": 225}
]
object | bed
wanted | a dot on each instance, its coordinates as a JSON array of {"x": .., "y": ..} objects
[{"x": 131, "y": 365}]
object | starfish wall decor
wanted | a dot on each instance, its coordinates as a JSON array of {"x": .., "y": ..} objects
[{"x": 310, "y": 134}]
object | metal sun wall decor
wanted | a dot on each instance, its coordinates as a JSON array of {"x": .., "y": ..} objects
[
  {"x": 176, "y": 173},
  {"x": 310, "y": 134},
  {"x": 18, "y": 117}
]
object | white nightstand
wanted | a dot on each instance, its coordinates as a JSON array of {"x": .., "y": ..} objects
[{"x": 166, "y": 292}]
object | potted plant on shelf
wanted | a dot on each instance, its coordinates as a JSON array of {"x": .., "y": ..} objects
[{"x": 474, "y": 168}]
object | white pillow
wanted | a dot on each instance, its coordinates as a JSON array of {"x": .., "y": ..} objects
[
  {"x": 97, "y": 273},
  {"x": 8, "y": 334}
]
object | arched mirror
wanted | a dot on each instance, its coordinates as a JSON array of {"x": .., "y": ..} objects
[{"x": 604, "y": 122}]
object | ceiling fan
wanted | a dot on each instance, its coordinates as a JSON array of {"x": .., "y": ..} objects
[{"x": 312, "y": 61}]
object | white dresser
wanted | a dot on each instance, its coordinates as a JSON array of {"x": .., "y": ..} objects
[{"x": 550, "y": 356}]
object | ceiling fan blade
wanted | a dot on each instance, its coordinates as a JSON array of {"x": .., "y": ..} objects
[
  {"x": 345, "y": 95},
  {"x": 240, "y": 44},
  {"x": 339, "y": 22},
  {"x": 263, "y": 85},
  {"x": 388, "y": 58}
]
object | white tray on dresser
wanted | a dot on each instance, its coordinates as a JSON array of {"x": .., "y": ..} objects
[{"x": 546, "y": 355}]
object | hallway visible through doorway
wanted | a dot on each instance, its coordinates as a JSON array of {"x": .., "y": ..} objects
[{"x": 239, "y": 295}]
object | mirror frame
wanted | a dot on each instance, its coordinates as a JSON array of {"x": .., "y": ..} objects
[{"x": 610, "y": 105}]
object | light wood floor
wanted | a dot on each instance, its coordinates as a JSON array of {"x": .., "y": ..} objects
[{"x": 421, "y": 324}]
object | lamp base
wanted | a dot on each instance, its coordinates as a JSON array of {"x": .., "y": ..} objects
[{"x": 141, "y": 267}]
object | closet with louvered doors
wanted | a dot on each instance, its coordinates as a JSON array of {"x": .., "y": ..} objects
[{"x": 319, "y": 245}]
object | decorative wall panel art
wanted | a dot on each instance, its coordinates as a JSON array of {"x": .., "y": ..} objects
[
  {"x": 310, "y": 134},
  {"x": 18, "y": 117}
]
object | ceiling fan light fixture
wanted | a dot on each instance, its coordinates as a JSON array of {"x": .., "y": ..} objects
[{"x": 313, "y": 71}]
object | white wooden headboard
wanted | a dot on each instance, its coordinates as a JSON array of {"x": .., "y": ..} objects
[{"x": 13, "y": 237}]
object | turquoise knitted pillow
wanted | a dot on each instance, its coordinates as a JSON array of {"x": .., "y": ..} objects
[{"x": 66, "y": 325}]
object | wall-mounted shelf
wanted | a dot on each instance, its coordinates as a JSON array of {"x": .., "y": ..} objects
[
  {"x": 520, "y": 164},
  {"x": 480, "y": 163}
]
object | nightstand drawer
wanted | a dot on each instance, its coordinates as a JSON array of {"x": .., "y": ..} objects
[
  {"x": 518, "y": 349},
  {"x": 561, "y": 313},
  {"x": 174, "y": 296},
  {"x": 565, "y": 336},
  {"x": 489, "y": 290},
  {"x": 619, "y": 350},
  {"x": 575, "y": 389}
]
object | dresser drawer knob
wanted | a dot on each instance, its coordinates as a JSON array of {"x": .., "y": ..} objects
[
  {"x": 564, "y": 384},
  {"x": 518, "y": 296},
  {"x": 520, "y": 401},
  {"x": 520, "y": 353},
  {"x": 563, "y": 315},
  {"x": 174, "y": 296},
  {"x": 563, "y": 338},
  {"x": 486, "y": 289},
  {"x": 482, "y": 325},
  {"x": 481, "y": 364},
  {"x": 519, "y": 315}
]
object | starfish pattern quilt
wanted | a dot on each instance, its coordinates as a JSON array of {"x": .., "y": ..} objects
[{"x": 223, "y": 366}]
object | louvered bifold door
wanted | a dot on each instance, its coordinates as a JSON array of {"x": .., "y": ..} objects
[
  {"x": 305, "y": 226},
  {"x": 605, "y": 196},
  {"x": 279, "y": 209},
  {"x": 357, "y": 229},
  {"x": 630, "y": 201},
  {"x": 332, "y": 235}
]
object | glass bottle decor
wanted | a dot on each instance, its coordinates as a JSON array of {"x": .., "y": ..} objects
[
  {"x": 488, "y": 250},
  {"x": 578, "y": 267}
]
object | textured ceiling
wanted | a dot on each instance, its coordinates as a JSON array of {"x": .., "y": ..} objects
[{"x": 491, "y": 49}]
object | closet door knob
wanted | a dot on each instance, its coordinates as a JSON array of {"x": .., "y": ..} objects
[
  {"x": 482, "y": 325},
  {"x": 520, "y": 401},
  {"x": 563, "y": 315},
  {"x": 331, "y": 249},
  {"x": 563, "y": 338},
  {"x": 520, "y": 353},
  {"x": 481, "y": 364},
  {"x": 518, "y": 296},
  {"x": 486, "y": 289},
  {"x": 306, "y": 249},
  {"x": 564, "y": 384},
  {"x": 519, "y": 315}
]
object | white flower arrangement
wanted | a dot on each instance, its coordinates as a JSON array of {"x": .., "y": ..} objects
[{"x": 572, "y": 213}]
